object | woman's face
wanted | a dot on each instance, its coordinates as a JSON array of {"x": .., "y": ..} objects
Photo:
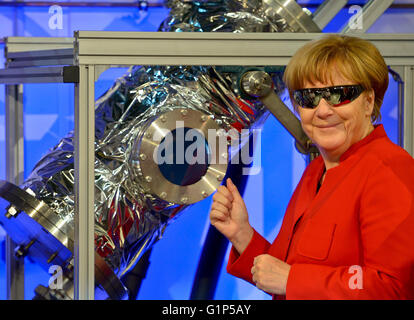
[{"x": 335, "y": 129}]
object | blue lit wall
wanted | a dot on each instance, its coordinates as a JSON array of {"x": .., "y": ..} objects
[{"x": 174, "y": 259}]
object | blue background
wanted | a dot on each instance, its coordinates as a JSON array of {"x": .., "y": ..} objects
[{"x": 49, "y": 116}]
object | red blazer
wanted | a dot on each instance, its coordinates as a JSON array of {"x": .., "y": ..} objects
[{"x": 354, "y": 238}]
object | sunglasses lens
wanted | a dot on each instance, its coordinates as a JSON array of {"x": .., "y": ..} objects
[
  {"x": 306, "y": 98},
  {"x": 336, "y": 96}
]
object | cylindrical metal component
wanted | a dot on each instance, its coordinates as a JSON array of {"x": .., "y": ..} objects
[
  {"x": 44, "y": 236},
  {"x": 256, "y": 83},
  {"x": 182, "y": 160},
  {"x": 259, "y": 84}
]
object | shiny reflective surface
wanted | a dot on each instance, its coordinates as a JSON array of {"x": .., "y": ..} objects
[{"x": 149, "y": 172}]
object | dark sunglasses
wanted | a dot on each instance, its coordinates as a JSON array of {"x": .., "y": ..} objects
[{"x": 335, "y": 96}]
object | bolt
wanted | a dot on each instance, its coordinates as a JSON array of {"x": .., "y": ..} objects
[
  {"x": 148, "y": 135},
  {"x": 204, "y": 118},
  {"x": 148, "y": 178},
  {"x": 163, "y": 118},
  {"x": 143, "y": 156},
  {"x": 70, "y": 267},
  {"x": 163, "y": 195},
  {"x": 53, "y": 256},
  {"x": 219, "y": 178},
  {"x": 21, "y": 251},
  {"x": 221, "y": 132},
  {"x": 12, "y": 212},
  {"x": 204, "y": 194},
  {"x": 184, "y": 112},
  {"x": 258, "y": 83},
  {"x": 224, "y": 155},
  {"x": 31, "y": 192},
  {"x": 184, "y": 199}
]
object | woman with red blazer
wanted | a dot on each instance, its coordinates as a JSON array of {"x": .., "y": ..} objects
[{"x": 348, "y": 230}]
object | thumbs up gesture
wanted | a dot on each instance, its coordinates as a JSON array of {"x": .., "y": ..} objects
[{"x": 230, "y": 217}]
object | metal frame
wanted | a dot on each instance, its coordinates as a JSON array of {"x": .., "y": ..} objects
[
  {"x": 14, "y": 173},
  {"x": 94, "y": 52},
  {"x": 327, "y": 11},
  {"x": 371, "y": 11}
]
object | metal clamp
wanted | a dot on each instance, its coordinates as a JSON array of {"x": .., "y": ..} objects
[{"x": 259, "y": 84}]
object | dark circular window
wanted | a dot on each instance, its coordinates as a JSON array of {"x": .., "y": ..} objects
[{"x": 183, "y": 156}]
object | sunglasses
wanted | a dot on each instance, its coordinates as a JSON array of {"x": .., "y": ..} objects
[{"x": 335, "y": 96}]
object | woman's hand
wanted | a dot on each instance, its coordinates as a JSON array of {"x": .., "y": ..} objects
[
  {"x": 229, "y": 215},
  {"x": 270, "y": 274}
]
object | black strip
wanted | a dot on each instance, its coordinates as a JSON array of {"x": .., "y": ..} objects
[
  {"x": 71, "y": 74},
  {"x": 215, "y": 245}
]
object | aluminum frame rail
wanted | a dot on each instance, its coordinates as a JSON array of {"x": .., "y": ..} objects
[
  {"x": 95, "y": 52},
  {"x": 327, "y": 11},
  {"x": 250, "y": 49},
  {"x": 15, "y": 174},
  {"x": 15, "y": 148},
  {"x": 369, "y": 14}
]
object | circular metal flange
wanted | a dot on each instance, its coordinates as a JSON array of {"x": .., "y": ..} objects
[
  {"x": 34, "y": 226},
  {"x": 104, "y": 277},
  {"x": 45, "y": 237},
  {"x": 149, "y": 172}
]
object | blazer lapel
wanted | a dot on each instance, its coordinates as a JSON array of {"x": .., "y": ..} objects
[
  {"x": 308, "y": 191},
  {"x": 302, "y": 199},
  {"x": 334, "y": 177}
]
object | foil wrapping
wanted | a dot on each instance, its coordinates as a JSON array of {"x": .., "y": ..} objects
[
  {"x": 224, "y": 16},
  {"x": 128, "y": 220}
]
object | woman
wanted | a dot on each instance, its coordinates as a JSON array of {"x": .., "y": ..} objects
[{"x": 348, "y": 229}]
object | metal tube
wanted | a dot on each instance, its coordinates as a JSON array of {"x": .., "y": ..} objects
[
  {"x": 14, "y": 173},
  {"x": 327, "y": 11},
  {"x": 370, "y": 13},
  {"x": 289, "y": 121},
  {"x": 84, "y": 251},
  {"x": 259, "y": 84},
  {"x": 215, "y": 245}
]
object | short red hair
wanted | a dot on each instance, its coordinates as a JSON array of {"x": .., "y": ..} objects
[{"x": 354, "y": 58}]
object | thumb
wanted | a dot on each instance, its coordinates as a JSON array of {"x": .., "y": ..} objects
[{"x": 233, "y": 189}]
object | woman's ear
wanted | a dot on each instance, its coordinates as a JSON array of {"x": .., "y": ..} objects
[{"x": 370, "y": 99}]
